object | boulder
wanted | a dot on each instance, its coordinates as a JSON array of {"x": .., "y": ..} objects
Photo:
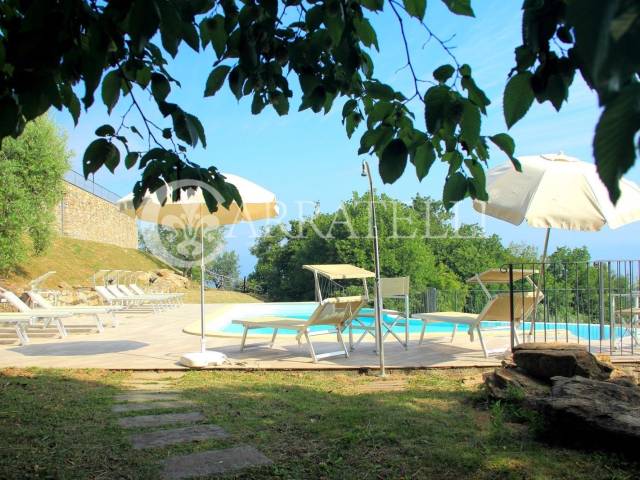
[
  {"x": 509, "y": 383},
  {"x": 547, "y": 360},
  {"x": 593, "y": 412},
  {"x": 167, "y": 280}
]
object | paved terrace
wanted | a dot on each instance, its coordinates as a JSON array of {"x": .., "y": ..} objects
[{"x": 156, "y": 341}]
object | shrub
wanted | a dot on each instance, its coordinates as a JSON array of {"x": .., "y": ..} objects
[{"x": 31, "y": 172}]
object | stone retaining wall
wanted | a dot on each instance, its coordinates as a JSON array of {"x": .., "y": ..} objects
[{"x": 86, "y": 216}]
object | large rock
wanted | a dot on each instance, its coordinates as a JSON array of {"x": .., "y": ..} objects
[
  {"x": 168, "y": 280},
  {"x": 599, "y": 414},
  {"x": 509, "y": 383},
  {"x": 547, "y": 360}
]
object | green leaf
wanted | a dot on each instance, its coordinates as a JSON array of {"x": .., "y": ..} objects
[
  {"x": 505, "y": 143},
  {"x": 366, "y": 32},
  {"x": 236, "y": 80},
  {"x": 379, "y": 91},
  {"x": 131, "y": 159},
  {"x": 518, "y": 97},
  {"x": 105, "y": 130},
  {"x": 190, "y": 35},
  {"x": 470, "y": 124},
  {"x": 144, "y": 19},
  {"x": 280, "y": 103},
  {"x": 460, "y": 7},
  {"x": 525, "y": 58},
  {"x": 455, "y": 189},
  {"x": 257, "y": 104},
  {"x": 160, "y": 86},
  {"x": 613, "y": 144},
  {"x": 373, "y": 5},
  {"x": 423, "y": 159},
  {"x": 478, "y": 184},
  {"x": 443, "y": 73},
  {"x": 393, "y": 160},
  {"x": 435, "y": 105},
  {"x": 100, "y": 152},
  {"x": 166, "y": 133},
  {"x": 9, "y": 116},
  {"x": 216, "y": 80},
  {"x": 415, "y": 8},
  {"x": 111, "y": 89}
]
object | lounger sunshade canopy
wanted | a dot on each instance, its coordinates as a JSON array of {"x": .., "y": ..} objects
[
  {"x": 342, "y": 271},
  {"x": 497, "y": 275}
]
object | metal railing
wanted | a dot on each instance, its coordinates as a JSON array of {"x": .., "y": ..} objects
[
  {"x": 595, "y": 303},
  {"x": 77, "y": 179}
]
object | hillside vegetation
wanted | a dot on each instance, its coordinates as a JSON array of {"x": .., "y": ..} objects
[{"x": 75, "y": 262}]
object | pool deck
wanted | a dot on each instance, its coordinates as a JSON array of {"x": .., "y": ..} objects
[{"x": 147, "y": 341}]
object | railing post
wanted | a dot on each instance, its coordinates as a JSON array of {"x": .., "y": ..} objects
[
  {"x": 512, "y": 328},
  {"x": 601, "y": 298}
]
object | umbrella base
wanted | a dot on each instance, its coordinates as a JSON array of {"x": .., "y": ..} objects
[{"x": 202, "y": 359}]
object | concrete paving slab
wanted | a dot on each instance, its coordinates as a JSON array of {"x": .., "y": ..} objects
[
  {"x": 139, "y": 407},
  {"x": 149, "y": 396},
  {"x": 213, "y": 462},
  {"x": 149, "y": 386},
  {"x": 162, "y": 438},
  {"x": 160, "y": 420}
]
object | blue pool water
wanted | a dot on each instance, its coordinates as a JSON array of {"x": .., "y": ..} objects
[{"x": 553, "y": 330}]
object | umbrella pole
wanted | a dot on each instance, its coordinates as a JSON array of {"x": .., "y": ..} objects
[
  {"x": 203, "y": 347},
  {"x": 539, "y": 287}
]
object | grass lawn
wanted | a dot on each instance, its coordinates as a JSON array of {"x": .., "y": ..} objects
[{"x": 58, "y": 424}]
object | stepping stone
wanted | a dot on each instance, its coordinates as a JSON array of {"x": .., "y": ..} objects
[
  {"x": 149, "y": 386},
  {"x": 213, "y": 462},
  {"x": 147, "y": 396},
  {"x": 141, "y": 421},
  {"x": 162, "y": 438},
  {"x": 138, "y": 407},
  {"x": 153, "y": 375}
]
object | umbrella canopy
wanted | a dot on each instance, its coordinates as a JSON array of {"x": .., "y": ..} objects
[
  {"x": 557, "y": 191},
  {"x": 190, "y": 209}
]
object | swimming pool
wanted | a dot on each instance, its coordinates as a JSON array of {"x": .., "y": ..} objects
[{"x": 222, "y": 324}]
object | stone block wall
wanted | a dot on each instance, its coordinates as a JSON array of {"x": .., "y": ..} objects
[{"x": 86, "y": 216}]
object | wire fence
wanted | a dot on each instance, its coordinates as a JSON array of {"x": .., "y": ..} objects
[{"x": 77, "y": 179}]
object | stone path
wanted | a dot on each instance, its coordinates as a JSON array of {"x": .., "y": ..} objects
[
  {"x": 148, "y": 392},
  {"x": 213, "y": 462}
]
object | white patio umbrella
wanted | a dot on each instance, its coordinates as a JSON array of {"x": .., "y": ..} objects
[
  {"x": 190, "y": 211},
  {"x": 556, "y": 191}
]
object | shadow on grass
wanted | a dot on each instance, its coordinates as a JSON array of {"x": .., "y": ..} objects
[{"x": 59, "y": 424}]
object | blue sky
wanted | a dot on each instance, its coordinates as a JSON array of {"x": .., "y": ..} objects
[{"x": 305, "y": 157}]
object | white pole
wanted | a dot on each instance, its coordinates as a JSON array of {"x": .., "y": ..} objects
[
  {"x": 541, "y": 283},
  {"x": 203, "y": 347},
  {"x": 376, "y": 257}
]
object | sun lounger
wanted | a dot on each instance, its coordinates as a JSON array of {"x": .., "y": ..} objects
[
  {"x": 334, "y": 313},
  {"x": 45, "y": 315},
  {"x": 95, "y": 311},
  {"x": 20, "y": 322},
  {"x": 172, "y": 299},
  {"x": 133, "y": 300},
  {"x": 497, "y": 309}
]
